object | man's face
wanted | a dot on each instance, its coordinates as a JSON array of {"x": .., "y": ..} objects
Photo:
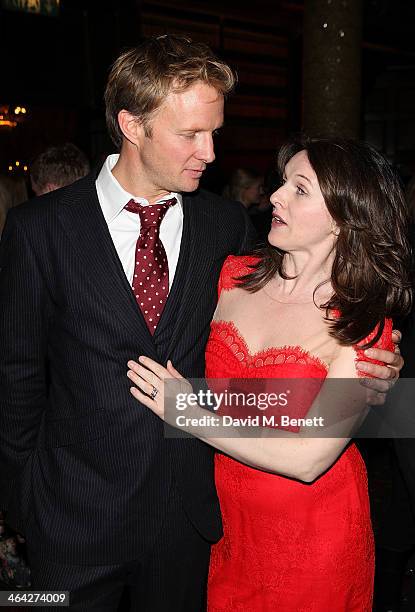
[{"x": 180, "y": 145}]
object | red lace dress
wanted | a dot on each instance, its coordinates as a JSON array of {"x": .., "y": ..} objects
[{"x": 288, "y": 546}]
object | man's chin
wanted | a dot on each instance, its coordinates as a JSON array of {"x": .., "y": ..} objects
[{"x": 190, "y": 185}]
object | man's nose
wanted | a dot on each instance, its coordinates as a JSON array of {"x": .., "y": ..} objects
[{"x": 206, "y": 150}]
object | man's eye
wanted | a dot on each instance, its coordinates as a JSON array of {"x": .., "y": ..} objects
[
  {"x": 215, "y": 132},
  {"x": 189, "y": 136}
]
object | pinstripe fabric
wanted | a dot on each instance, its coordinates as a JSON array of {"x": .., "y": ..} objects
[
  {"x": 85, "y": 470},
  {"x": 172, "y": 577}
]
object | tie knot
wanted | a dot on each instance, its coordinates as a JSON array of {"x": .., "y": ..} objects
[{"x": 152, "y": 215}]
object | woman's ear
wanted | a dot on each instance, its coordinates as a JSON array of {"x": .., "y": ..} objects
[
  {"x": 131, "y": 127},
  {"x": 335, "y": 229}
]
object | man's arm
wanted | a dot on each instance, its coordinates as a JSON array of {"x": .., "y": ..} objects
[{"x": 23, "y": 316}]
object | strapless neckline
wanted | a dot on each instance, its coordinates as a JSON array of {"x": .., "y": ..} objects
[{"x": 232, "y": 337}]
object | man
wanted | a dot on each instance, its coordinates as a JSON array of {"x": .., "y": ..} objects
[
  {"x": 103, "y": 499},
  {"x": 57, "y": 167}
]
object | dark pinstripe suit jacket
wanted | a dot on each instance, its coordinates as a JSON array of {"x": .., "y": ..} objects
[{"x": 83, "y": 465}]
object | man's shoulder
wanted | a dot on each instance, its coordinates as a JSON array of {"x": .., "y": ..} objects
[
  {"x": 215, "y": 203},
  {"x": 228, "y": 220},
  {"x": 220, "y": 210}
]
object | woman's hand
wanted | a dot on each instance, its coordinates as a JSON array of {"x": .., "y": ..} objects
[{"x": 149, "y": 378}]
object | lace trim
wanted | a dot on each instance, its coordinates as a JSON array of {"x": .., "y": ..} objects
[
  {"x": 234, "y": 267},
  {"x": 231, "y": 336}
]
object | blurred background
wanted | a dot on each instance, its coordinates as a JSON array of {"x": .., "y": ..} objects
[{"x": 342, "y": 66}]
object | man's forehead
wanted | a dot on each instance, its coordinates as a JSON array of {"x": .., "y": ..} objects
[
  {"x": 197, "y": 93},
  {"x": 192, "y": 109}
]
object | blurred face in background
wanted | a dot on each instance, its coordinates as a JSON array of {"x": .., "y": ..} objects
[{"x": 251, "y": 194}]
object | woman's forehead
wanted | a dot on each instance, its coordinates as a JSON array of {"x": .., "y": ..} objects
[{"x": 299, "y": 164}]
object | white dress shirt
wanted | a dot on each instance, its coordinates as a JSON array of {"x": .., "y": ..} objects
[{"x": 124, "y": 226}]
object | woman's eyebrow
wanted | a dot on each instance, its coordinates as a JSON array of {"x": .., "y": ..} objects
[{"x": 304, "y": 177}]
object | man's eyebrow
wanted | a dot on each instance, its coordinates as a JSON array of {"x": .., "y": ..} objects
[{"x": 195, "y": 129}]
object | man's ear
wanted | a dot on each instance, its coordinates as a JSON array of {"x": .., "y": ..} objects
[
  {"x": 131, "y": 127},
  {"x": 50, "y": 187}
]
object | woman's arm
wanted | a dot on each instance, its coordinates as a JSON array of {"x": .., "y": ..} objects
[{"x": 341, "y": 403}]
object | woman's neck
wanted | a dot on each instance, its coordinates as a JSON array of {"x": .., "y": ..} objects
[{"x": 306, "y": 272}]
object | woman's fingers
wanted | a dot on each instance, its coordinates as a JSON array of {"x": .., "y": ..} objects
[
  {"x": 147, "y": 393},
  {"x": 145, "y": 373},
  {"x": 141, "y": 397},
  {"x": 153, "y": 366},
  {"x": 151, "y": 371},
  {"x": 144, "y": 385},
  {"x": 172, "y": 370}
]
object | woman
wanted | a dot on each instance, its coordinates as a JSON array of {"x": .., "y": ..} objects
[
  {"x": 245, "y": 187},
  {"x": 297, "y": 532}
]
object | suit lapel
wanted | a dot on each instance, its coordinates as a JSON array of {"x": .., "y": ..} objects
[
  {"x": 197, "y": 254},
  {"x": 84, "y": 223}
]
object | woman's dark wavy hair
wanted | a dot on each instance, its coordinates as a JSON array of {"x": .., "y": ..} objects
[{"x": 372, "y": 265}]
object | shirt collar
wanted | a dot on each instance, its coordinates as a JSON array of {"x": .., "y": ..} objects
[{"x": 113, "y": 197}]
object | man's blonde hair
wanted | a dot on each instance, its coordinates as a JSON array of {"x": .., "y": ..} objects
[{"x": 142, "y": 77}]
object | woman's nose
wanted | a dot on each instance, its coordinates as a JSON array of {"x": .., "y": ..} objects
[{"x": 278, "y": 196}]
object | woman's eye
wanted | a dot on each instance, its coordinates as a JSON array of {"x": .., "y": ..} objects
[{"x": 300, "y": 191}]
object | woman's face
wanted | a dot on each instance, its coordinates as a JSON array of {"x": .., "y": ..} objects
[
  {"x": 252, "y": 194},
  {"x": 300, "y": 219}
]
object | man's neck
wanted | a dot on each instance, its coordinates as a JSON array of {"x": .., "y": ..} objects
[{"x": 129, "y": 177}]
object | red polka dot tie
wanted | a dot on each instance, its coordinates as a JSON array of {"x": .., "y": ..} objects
[{"x": 151, "y": 270}]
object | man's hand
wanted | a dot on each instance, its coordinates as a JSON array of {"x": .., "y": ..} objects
[{"x": 384, "y": 376}]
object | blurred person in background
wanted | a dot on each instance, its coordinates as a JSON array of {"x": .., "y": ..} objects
[
  {"x": 12, "y": 192},
  {"x": 57, "y": 167},
  {"x": 261, "y": 214},
  {"x": 245, "y": 186},
  {"x": 252, "y": 190},
  {"x": 13, "y": 568}
]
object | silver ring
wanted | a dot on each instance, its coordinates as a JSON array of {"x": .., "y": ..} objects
[{"x": 154, "y": 392}]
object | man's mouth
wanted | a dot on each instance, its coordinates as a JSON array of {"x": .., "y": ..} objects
[{"x": 196, "y": 170}]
